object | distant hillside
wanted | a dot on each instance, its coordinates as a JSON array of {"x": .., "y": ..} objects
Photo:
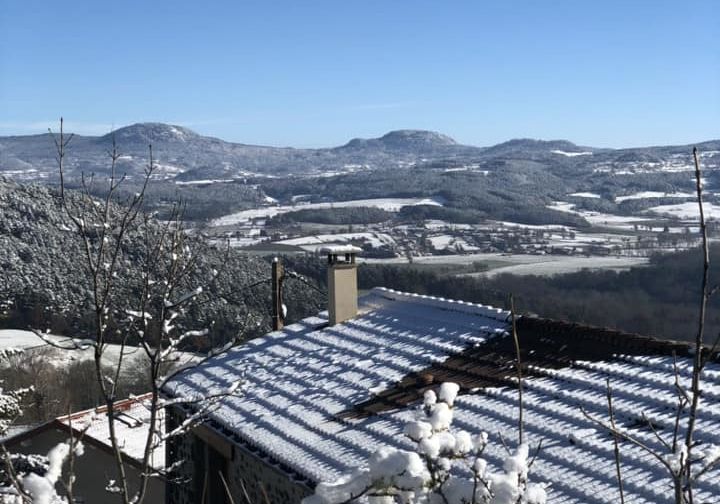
[
  {"x": 514, "y": 181},
  {"x": 407, "y": 141},
  {"x": 183, "y": 155},
  {"x": 44, "y": 284}
]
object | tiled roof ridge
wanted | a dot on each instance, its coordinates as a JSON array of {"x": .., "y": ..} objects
[
  {"x": 444, "y": 303},
  {"x": 118, "y": 406}
]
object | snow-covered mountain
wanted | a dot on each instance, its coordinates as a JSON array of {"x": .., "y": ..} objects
[{"x": 184, "y": 155}]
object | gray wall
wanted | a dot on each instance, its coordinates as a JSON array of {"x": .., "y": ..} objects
[
  {"x": 262, "y": 482},
  {"x": 93, "y": 469}
]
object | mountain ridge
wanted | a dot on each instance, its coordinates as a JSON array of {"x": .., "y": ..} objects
[
  {"x": 185, "y": 155},
  {"x": 160, "y": 129}
]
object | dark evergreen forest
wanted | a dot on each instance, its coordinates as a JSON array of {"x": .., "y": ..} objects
[{"x": 660, "y": 299}]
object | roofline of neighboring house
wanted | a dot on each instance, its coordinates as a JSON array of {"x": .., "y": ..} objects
[
  {"x": 119, "y": 406},
  {"x": 57, "y": 423}
]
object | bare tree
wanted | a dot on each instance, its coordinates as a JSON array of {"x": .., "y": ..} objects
[
  {"x": 120, "y": 238},
  {"x": 679, "y": 450}
]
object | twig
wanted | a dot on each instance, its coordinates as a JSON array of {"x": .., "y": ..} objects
[
  {"x": 227, "y": 490},
  {"x": 248, "y": 500},
  {"x": 628, "y": 438},
  {"x": 518, "y": 365},
  {"x": 535, "y": 455},
  {"x": 502, "y": 440},
  {"x": 698, "y": 357},
  {"x": 611, "y": 414}
]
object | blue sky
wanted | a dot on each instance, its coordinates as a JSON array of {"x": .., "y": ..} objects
[{"x": 317, "y": 73}]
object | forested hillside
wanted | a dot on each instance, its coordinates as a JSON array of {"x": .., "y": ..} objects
[
  {"x": 660, "y": 299},
  {"x": 44, "y": 282}
]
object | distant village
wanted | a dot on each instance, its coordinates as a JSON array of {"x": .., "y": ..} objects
[{"x": 621, "y": 237}]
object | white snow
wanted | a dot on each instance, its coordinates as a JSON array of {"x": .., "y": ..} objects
[
  {"x": 558, "y": 265},
  {"x": 585, "y": 195},
  {"x": 689, "y": 210},
  {"x": 653, "y": 194},
  {"x": 597, "y": 218},
  {"x": 29, "y": 341},
  {"x": 132, "y": 428},
  {"x": 440, "y": 242},
  {"x": 167, "y": 169},
  {"x": 202, "y": 181},
  {"x": 340, "y": 249},
  {"x": 237, "y": 242},
  {"x": 524, "y": 264},
  {"x": 312, "y": 242},
  {"x": 389, "y": 204},
  {"x": 42, "y": 488},
  {"x": 571, "y": 154}
]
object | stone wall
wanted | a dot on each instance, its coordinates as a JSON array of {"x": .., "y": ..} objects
[
  {"x": 245, "y": 471},
  {"x": 263, "y": 482}
]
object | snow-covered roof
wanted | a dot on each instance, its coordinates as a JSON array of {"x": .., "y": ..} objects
[
  {"x": 319, "y": 400},
  {"x": 132, "y": 419}
]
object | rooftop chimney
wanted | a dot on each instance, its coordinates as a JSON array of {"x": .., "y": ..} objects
[{"x": 342, "y": 282}]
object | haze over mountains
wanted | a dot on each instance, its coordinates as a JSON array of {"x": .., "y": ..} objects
[{"x": 184, "y": 155}]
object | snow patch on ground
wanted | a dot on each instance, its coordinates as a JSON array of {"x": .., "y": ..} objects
[
  {"x": 205, "y": 181},
  {"x": 558, "y": 265},
  {"x": 388, "y": 204},
  {"x": 687, "y": 210},
  {"x": 585, "y": 195},
  {"x": 29, "y": 341},
  {"x": 597, "y": 218},
  {"x": 312, "y": 242},
  {"x": 571, "y": 154},
  {"x": 652, "y": 194},
  {"x": 525, "y": 264}
]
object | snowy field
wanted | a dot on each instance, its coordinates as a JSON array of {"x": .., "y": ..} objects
[
  {"x": 687, "y": 210},
  {"x": 30, "y": 342},
  {"x": 598, "y": 218},
  {"x": 558, "y": 265},
  {"x": 237, "y": 242},
  {"x": 524, "y": 264},
  {"x": 585, "y": 195},
  {"x": 548, "y": 227},
  {"x": 203, "y": 182},
  {"x": 389, "y": 204},
  {"x": 313, "y": 242},
  {"x": 653, "y": 194},
  {"x": 440, "y": 224},
  {"x": 571, "y": 154}
]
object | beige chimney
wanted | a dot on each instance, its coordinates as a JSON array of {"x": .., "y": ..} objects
[{"x": 342, "y": 282}]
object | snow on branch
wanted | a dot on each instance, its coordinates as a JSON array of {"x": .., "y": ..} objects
[{"x": 432, "y": 472}]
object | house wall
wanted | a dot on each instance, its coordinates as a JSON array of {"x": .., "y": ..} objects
[
  {"x": 245, "y": 472},
  {"x": 93, "y": 470}
]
